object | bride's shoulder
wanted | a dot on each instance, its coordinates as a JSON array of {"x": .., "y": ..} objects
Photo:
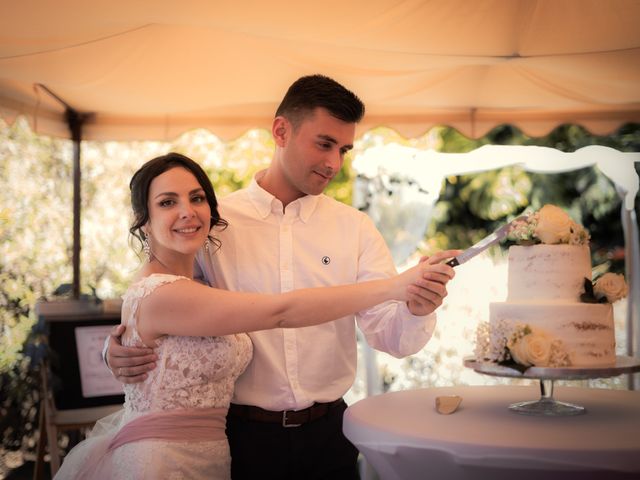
[{"x": 146, "y": 284}]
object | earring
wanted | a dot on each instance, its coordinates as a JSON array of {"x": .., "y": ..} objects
[
  {"x": 207, "y": 245},
  {"x": 146, "y": 248}
]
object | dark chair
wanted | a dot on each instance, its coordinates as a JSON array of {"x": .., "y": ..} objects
[{"x": 67, "y": 406}]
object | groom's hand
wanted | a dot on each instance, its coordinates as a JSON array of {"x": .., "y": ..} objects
[
  {"x": 426, "y": 299},
  {"x": 128, "y": 364}
]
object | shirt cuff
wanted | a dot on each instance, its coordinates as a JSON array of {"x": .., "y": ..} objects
[
  {"x": 105, "y": 350},
  {"x": 416, "y": 330}
]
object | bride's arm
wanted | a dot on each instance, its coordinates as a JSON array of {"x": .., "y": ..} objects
[{"x": 187, "y": 308}]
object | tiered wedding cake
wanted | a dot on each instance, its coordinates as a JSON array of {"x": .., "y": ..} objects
[{"x": 553, "y": 316}]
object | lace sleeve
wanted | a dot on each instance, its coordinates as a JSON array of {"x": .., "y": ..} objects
[{"x": 132, "y": 299}]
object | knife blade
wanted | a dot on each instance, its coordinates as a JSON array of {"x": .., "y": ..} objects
[{"x": 485, "y": 243}]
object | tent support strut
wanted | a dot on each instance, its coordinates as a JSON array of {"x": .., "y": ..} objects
[{"x": 75, "y": 121}]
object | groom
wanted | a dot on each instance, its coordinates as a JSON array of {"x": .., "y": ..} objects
[{"x": 285, "y": 420}]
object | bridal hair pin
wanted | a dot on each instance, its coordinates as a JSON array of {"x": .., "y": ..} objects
[{"x": 447, "y": 404}]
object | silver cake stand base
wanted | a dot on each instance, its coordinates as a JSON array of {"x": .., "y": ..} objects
[{"x": 547, "y": 405}]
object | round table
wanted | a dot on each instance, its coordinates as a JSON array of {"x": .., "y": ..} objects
[{"x": 403, "y": 437}]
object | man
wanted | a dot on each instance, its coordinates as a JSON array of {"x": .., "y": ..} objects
[{"x": 285, "y": 420}]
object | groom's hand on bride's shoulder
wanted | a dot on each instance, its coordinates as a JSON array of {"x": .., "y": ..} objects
[{"x": 128, "y": 364}]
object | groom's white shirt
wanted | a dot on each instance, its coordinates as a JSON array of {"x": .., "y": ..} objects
[{"x": 316, "y": 241}]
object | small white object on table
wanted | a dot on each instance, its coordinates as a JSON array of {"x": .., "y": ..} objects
[{"x": 403, "y": 437}]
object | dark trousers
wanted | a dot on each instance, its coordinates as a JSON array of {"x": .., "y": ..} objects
[{"x": 315, "y": 450}]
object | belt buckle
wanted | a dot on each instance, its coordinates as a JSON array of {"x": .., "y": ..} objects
[{"x": 284, "y": 421}]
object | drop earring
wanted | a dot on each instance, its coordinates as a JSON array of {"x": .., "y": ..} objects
[
  {"x": 146, "y": 248},
  {"x": 207, "y": 245}
]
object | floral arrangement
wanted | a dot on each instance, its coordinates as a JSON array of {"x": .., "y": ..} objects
[
  {"x": 549, "y": 225},
  {"x": 608, "y": 288},
  {"x": 520, "y": 347}
]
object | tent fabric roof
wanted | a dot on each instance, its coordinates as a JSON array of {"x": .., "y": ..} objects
[{"x": 152, "y": 69}]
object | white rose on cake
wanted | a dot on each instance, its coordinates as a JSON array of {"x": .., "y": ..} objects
[
  {"x": 612, "y": 286},
  {"x": 554, "y": 225},
  {"x": 529, "y": 346},
  {"x": 550, "y": 225}
]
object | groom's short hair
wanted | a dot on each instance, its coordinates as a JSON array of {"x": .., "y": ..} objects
[{"x": 313, "y": 91}]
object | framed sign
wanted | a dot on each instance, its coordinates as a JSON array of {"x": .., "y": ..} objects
[
  {"x": 95, "y": 378},
  {"x": 76, "y": 334}
]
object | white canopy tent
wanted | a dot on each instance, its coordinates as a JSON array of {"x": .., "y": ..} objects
[{"x": 154, "y": 69}]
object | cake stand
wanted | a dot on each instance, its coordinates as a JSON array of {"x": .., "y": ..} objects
[{"x": 547, "y": 405}]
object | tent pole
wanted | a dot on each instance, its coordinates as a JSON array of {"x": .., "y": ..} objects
[
  {"x": 75, "y": 121},
  {"x": 632, "y": 270}
]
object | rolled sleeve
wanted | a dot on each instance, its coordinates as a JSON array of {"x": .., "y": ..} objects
[
  {"x": 389, "y": 327},
  {"x": 393, "y": 329}
]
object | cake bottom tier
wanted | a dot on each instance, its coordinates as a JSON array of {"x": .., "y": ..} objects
[{"x": 586, "y": 330}]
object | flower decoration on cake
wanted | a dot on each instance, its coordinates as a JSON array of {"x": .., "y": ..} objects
[
  {"x": 608, "y": 288},
  {"x": 519, "y": 347},
  {"x": 529, "y": 347},
  {"x": 549, "y": 225}
]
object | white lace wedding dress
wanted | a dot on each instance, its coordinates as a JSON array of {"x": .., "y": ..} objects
[{"x": 191, "y": 373}]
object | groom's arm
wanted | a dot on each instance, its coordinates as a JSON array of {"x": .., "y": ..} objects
[{"x": 132, "y": 364}]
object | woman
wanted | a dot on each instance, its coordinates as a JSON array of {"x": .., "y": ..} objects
[{"x": 173, "y": 424}]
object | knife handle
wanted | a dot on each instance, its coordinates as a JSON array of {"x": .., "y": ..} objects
[{"x": 453, "y": 262}]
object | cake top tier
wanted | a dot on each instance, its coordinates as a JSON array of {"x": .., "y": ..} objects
[{"x": 548, "y": 272}]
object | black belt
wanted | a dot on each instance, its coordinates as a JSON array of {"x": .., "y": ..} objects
[{"x": 287, "y": 418}]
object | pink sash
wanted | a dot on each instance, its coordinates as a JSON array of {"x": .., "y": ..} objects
[
  {"x": 198, "y": 425},
  {"x": 175, "y": 425}
]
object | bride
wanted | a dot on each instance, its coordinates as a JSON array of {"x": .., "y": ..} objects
[{"x": 173, "y": 424}]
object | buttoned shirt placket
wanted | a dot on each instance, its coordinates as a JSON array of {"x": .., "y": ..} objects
[{"x": 287, "y": 224}]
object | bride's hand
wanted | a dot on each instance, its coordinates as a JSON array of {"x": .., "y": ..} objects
[{"x": 425, "y": 283}]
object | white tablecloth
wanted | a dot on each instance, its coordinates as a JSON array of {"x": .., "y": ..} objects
[{"x": 403, "y": 436}]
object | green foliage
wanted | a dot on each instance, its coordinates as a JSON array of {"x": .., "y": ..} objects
[
  {"x": 495, "y": 194},
  {"x": 35, "y": 246}
]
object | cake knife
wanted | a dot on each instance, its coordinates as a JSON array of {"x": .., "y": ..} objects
[{"x": 485, "y": 243}]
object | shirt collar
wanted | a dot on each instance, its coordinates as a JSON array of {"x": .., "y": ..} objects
[{"x": 264, "y": 202}]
